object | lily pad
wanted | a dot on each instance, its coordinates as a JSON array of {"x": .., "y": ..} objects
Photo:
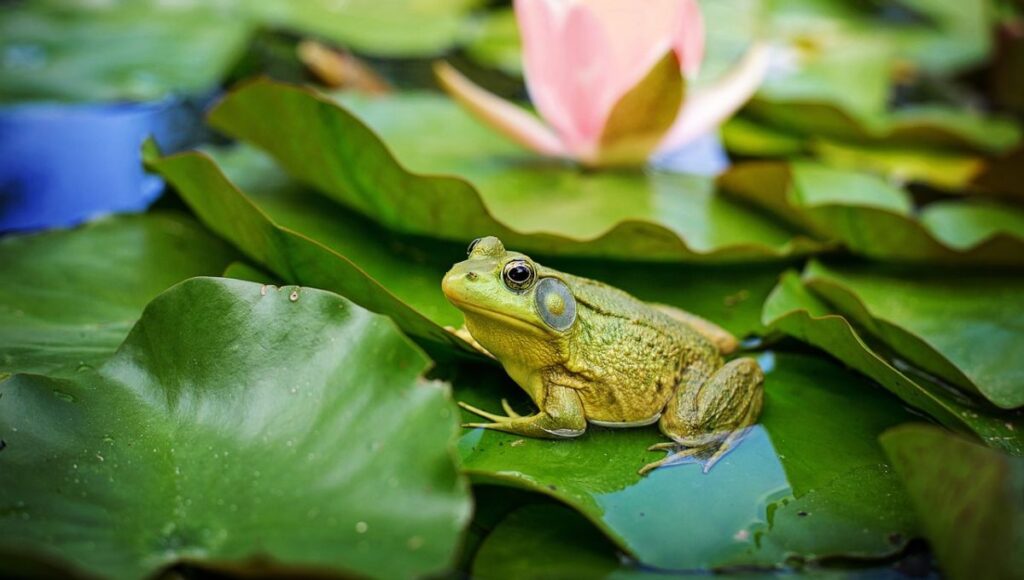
[
  {"x": 844, "y": 53},
  {"x": 950, "y": 171},
  {"x": 393, "y": 28},
  {"x": 910, "y": 312},
  {"x": 299, "y": 259},
  {"x": 805, "y": 484},
  {"x": 561, "y": 544},
  {"x": 144, "y": 49},
  {"x": 836, "y": 67},
  {"x": 237, "y": 422},
  {"x": 970, "y": 500},
  {"x": 463, "y": 182},
  {"x": 492, "y": 39},
  {"x": 875, "y": 219},
  {"x": 114, "y": 51},
  {"x": 795, "y": 310},
  {"x": 68, "y": 298},
  {"x": 303, "y": 238},
  {"x": 927, "y": 128}
]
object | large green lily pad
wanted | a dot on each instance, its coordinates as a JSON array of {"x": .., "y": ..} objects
[
  {"x": 144, "y": 49},
  {"x": 928, "y": 129},
  {"x": 112, "y": 51},
  {"x": 392, "y": 28},
  {"x": 807, "y": 483},
  {"x": 970, "y": 500},
  {"x": 237, "y": 422},
  {"x": 844, "y": 53},
  {"x": 68, "y": 298},
  {"x": 453, "y": 179},
  {"x": 949, "y": 151},
  {"x": 299, "y": 259},
  {"x": 304, "y": 238},
  {"x": 875, "y": 219},
  {"x": 560, "y": 544},
  {"x": 794, "y": 309},
  {"x": 959, "y": 328},
  {"x": 832, "y": 88}
]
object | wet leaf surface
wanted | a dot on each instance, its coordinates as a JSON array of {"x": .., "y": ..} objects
[
  {"x": 310, "y": 257},
  {"x": 68, "y": 298},
  {"x": 911, "y": 313},
  {"x": 140, "y": 50},
  {"x": 77, "y": 51},
  {"x": 794, "y": 309},
  {"x": 875, "y": 219},
  {"x": 808, "y": 481},
  {"x": 561, "y": 544},
  {"x": 237, "y": 422},
  {"x": 970, "y": 500},
  {"x": 474, "y": 183}
]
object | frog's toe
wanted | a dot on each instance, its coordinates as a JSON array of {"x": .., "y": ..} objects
[
  {"x": 508, "y": 409},
  {"x": 484, "y": 414},
  {"x": 672, "y": 458},
  {"x": 481, "y": 425},
  {"x": 650, "y": 467},
  {"x": 666, "y": 446}
]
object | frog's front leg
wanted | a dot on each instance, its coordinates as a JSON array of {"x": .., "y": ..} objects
[
  {"x": 710, "y": 412},
  {"x": 561, "y": 415},
  {"x": 463, "y": 333}
]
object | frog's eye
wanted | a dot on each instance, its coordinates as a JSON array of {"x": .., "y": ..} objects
[
  {"x": 556, "y": 304},
  {"x": 472, "y": 245},
  {"x": 518, "y": 275}
]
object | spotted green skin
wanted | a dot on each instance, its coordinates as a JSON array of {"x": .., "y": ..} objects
[{"x": 620, "y": 363}]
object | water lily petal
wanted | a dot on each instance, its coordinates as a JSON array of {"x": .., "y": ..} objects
[
  {"x": 639, "y": 38},
  {"x": 566, "y": 56},
  {"x": 690, "y": 37},
  {"x": 701, "y": 112},
  {"x": 642, "y": 117},
  {"x": 507, "y": 118}
]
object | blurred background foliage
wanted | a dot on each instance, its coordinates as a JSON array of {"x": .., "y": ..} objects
[{"x": 867, "y": 243}]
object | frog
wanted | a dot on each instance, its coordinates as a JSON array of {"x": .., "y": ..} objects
[{"x": 587, "y": 353}]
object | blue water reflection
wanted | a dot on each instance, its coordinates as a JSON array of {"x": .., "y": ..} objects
[{"x": 730, "y": 501}]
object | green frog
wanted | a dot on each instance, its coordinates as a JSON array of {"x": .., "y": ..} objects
[{"x": 586, "y": 352}]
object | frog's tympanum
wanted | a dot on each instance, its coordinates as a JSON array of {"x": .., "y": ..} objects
[{"x": 586, "y": 352}]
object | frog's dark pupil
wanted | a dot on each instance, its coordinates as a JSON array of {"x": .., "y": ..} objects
[
  {"x": 519, "y": 274},
  {"x": 472, "y": 245}
]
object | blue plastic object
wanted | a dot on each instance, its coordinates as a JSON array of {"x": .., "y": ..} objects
[{"x": 62, "y": 164}]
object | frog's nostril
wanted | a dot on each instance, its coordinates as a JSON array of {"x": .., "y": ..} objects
[{"x": 471, "y": 276}]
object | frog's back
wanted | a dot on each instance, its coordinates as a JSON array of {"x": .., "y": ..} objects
[{"x": 631, "y": 353}]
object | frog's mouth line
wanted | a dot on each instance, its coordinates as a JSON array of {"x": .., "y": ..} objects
[{"x": 512, "y": 320}]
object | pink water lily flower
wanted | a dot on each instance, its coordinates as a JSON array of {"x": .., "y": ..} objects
[{"x": 609, "y": 78}]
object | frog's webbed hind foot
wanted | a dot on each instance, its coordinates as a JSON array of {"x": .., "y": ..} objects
[{"x": 708, "y": 454}]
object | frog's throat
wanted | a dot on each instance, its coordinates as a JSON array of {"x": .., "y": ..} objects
[{"x": 508, "y": 319}]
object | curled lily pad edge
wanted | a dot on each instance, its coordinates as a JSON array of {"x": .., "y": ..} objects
[{"x": 677, "y": 248}]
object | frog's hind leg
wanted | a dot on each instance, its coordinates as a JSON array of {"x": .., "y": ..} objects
[{"x": 707, "y": 417}]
